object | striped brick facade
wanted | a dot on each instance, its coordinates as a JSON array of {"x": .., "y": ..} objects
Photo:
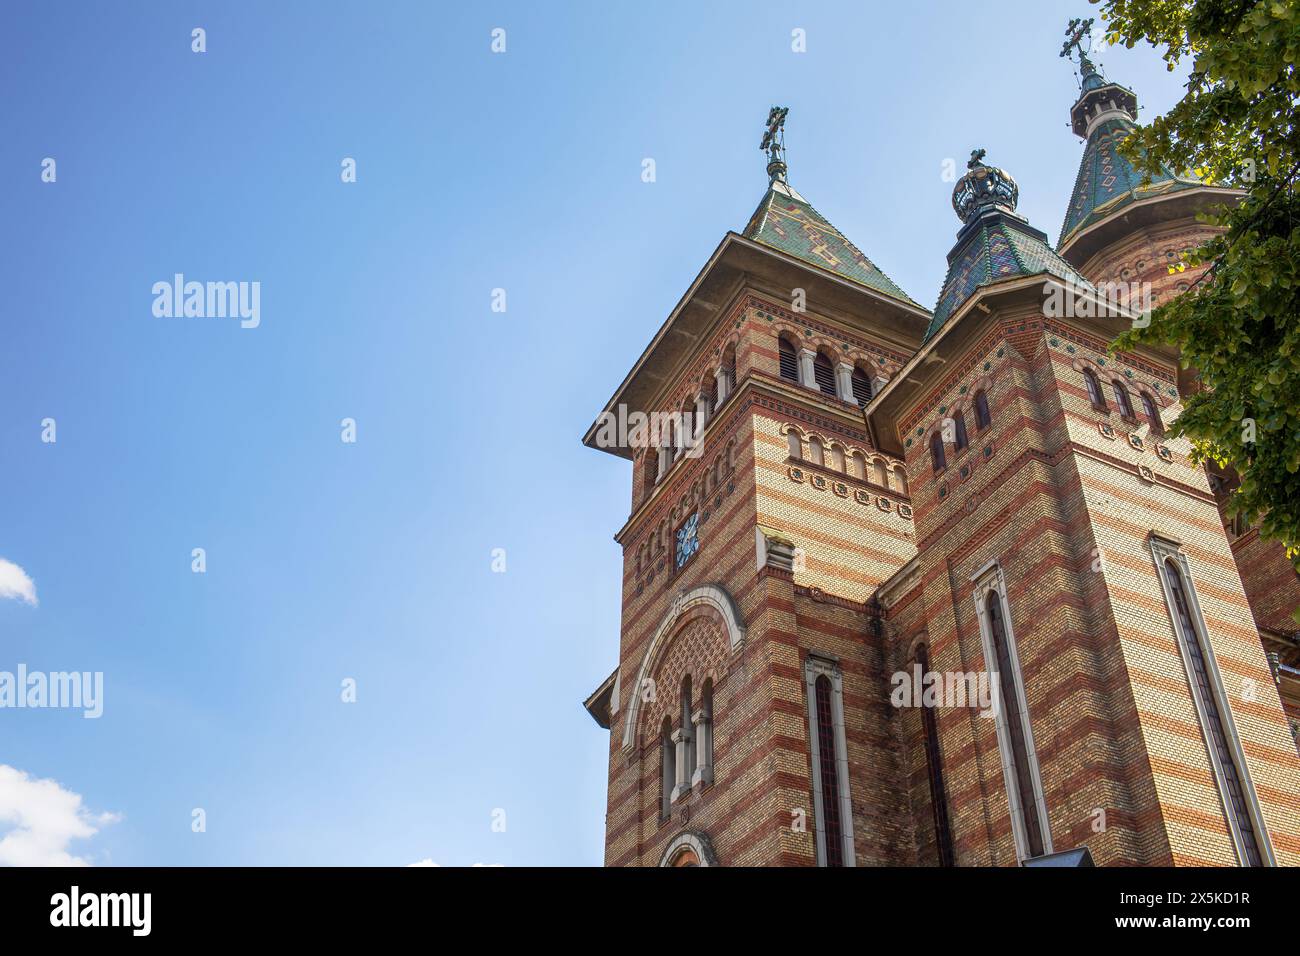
[{"x": 1060, "y": 498}]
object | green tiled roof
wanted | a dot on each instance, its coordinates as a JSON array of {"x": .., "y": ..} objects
[
  {"x": 994, "y": 246},
  {"x": 1107, "y": 181},
  {"x": 786, "y": 221}
]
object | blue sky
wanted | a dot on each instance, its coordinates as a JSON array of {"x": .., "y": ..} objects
[{"x": 373, "y": 560}]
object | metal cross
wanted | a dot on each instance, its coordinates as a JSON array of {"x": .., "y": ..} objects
[
  {"x": 774, "y": 135},
  {"x": 1077, "y": 34}
]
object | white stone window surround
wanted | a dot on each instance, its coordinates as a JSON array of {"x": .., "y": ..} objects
[
  {"x": 817, "y": 665},
  {"x": 1162, "y": 549},
  {"x": 989, "y": 580}
]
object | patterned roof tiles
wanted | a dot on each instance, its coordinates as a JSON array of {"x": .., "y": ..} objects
[{"x": 787, "y": 222}]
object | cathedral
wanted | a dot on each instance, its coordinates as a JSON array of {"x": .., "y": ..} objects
[{"x": 913, "y": 587}]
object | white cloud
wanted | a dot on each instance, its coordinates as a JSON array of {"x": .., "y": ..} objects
[
  {"x": 427, "y": 861},
  {"x": 42, "y": 819},
  {"x": 14, "y": 583}
]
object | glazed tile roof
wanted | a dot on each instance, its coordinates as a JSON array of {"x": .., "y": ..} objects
[
  {"x": 787, "y": 222},
  {"x": 991, "y": 248},
  {"x": 1107, "y": 181}
]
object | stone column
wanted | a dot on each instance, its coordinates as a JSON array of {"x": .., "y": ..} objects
[
  {"x": 845, "y": 379},
  {"x": 806, "y": 376},
  {"x": 703, "y": 723},
  {"x": 681, "y": 740}
]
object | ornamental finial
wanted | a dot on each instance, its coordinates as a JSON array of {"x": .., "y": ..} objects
[
  {"x": 774, "y": 143},
  {"x": 1078, "y": 38},
  {"x": 983, "y": 188}
]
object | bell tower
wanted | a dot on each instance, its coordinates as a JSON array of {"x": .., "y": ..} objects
[{"x": 744, "y": 713}]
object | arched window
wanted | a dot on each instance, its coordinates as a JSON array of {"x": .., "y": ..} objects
[
  {"x": 982, "y": 418},
  {"x": 829, "y": 767},
  {"x": 1234, "y": 798},
  {"x": 938, "y": 461},
  {"x": 959, "y": 430},
  {"x": 1015, "y": 724},
  {"x": 1152, "y": 414},
  {"x": 824, "y": 374},
  {"x": 815, "y": 448},
  {"x": 934, "y": 768},
  {"x": 729, "y": 371},
  {"x": 796, "y": 445},
  {"x": 1121, "y": 398},
  {"x": 878, "y": 473},
  {"x": 789, "y": 360},
  {"x": 899, "y": 483},
  {"x": 687, "y": 735},
  {"x": 861, "y": 386},
  {"x": 1094, "y": 390},
  {"x": 703, "y": 720},
  {"x": 837, "y": 457},
  {"x": 859, "y": 465},
  {"x": 668, "y": 772}
]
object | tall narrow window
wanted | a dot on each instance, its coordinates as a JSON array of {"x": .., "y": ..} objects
[
  {"x": 832, "y": 805},
  {"x": 1094, "y": 390},
  {"x": 861, "y": 387},
  {"x": 900, "y": 479},
  {"x": 1152, "y": 414},
  {"x": 938, "y": 460},
  {"x": 729, "y": 370},
  {"x": 982, "y": 418},
  {"x": 934, "y": 767},
  {"x": 824, "y": 374},
  {"x": 815, "y": 448},
  {"x": 1009, "y": 699},
  {"x": 688, "y": 736},
  {"x": 796, "y": 445},
  {"x": 789, "y": 360},
  {"x": 1121, "y": 399},
  {"x": 829, "y": 773},
  {"x": 1231, "y": 788},
  {"x": 703, "y": 720},
  {"x": 959, "y": 429},
  {"x": 668, "y": 771}
]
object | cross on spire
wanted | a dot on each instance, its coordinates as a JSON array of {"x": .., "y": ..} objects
[
  {"x": 774, "y": 143},
  {"x": 1078, "y": 36}
]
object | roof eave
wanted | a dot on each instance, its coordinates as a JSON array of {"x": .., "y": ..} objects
[
  {"x": 1081, "y": 244},
  {"x": 735, "y": 254}
]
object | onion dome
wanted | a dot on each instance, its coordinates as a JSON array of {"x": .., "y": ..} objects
[
  {"x": 984, "y": 187},
  {"x": 995, "y": 242}
]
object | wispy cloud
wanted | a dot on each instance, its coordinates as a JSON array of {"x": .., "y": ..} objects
[
  {"x": 16, "y": 583},
  {"x": 427, "y": 861},
  {"x": 42, "y": 819}
]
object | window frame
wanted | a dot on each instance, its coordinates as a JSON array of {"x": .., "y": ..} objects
[
  {"x": 816, "y": 666},
  {"x": 1162, "y": 550},
  {"x": 988, "y": 581}
]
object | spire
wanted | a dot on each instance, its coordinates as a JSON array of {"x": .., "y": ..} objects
[
  {"x": 774, "y": 144},
  {"x": 787, "y": 222},
  {"x": 994, "y": 243},
  {"x": 1103, "y": 115}
]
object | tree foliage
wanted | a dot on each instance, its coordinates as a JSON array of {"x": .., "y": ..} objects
[{"x": 1237, "y": 325}]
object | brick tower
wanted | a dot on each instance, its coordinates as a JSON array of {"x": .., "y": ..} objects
[{"x": 913, "y": 588}]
